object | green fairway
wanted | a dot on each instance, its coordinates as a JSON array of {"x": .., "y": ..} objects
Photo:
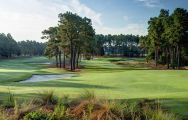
[{"x": 103, "y": 76}]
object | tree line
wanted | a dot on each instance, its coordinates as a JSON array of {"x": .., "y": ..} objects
[
  {"x": 167, "y": 39},
  {"x": 31, "y": 48},
  {"x": 118, "y": 45},
  {"x": 10, "y": 48}
]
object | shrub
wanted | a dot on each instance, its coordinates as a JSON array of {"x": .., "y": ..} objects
[
  {"x": 65, "y": 100},
  {"x": 10, "y": 101},
  {"x": 88, "y": 95},
  {"x": 58, "y": 113},
  {"x": 37, "y": 115},
  {"x": 159, "y": 115},
  {"x": 47, "y": 98}
]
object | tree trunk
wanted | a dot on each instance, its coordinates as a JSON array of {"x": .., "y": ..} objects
[
  {"x": 77, "y": 59},
  {"x": 64, "y": 60},
  {"x": 156, "y": 57},
  {"x": 71, "y": 58},
  {"x": 81, "y": 56},
  {"x": 74, "y": 57},
  {"x": 178, "y": 57},
  {"x": 167, "y": 58},
  {"x": 60, "y": 59},
  {"x": 56, "y": 59},
  {"x": 172, "y": 57}
]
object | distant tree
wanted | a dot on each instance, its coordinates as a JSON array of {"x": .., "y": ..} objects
[
  {"x": 100, "y": 41},
  {"x": 8, "y": 46},
  {"x": 31, "y": 48},
  {"x": 118, "y": 45}
]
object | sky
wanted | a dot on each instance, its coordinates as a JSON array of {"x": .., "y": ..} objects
[{"x": 26, "y": 19}]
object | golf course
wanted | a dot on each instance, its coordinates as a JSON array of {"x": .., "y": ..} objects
[
  {"x": 93, "y": 60},
  {"x": 104, "y": 76}
]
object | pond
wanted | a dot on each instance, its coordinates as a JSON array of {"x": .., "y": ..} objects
[{"x": 41, "y": 78}]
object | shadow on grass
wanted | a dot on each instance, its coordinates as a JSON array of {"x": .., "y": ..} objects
[
  {"x": 7, "y": 77},
  {"x": 126, "y": 59},
  {"x": 4, "y": 96},
  {"x": 114, "y": 69},
  {"x": 58, "y": 83},
  {"x": 178, "y": 106}
]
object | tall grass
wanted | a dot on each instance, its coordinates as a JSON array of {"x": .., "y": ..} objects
[
  {"x": 47, "y": 98},
  {"x": 86, "y": 107},
  {"x": 87, "y": 95},
  {"x": 9, "y": 100}
]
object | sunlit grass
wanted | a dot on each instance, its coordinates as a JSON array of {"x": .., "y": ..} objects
[
  {"x": 11, "y": 70},
  {"x": 107, "y": 79}
]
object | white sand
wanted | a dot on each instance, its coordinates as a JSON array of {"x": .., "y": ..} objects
[{"x": 41, "y": 78}]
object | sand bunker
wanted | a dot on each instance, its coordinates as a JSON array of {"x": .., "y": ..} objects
[{"x": 41, "y": 78}]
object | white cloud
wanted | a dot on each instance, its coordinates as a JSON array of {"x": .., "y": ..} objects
[
  {"x": 150, "y": 3},
  {"x": 25, "y": 19},
  {"x": 86, "y": 11}
]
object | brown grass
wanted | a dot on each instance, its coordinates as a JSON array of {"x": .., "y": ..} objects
[{"x": 88, "y": 107}]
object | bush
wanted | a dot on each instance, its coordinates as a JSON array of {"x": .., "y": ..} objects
[
  {"x": 46, "y": 98},
  {"x": 59, "y": 112},
  {"x": 87, "y": 95},
  {"x": 159, "y": 115},
  {"x": 10, "y": 101},
  {"x": 37, "y": 115}
]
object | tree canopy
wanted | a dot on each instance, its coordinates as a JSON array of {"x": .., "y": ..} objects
[
  {"x": 167, "y": 39},
  {"x": 10, "y": 48},
  {"x": 31, "y": 48},
  {"x": 74, "y": 36}
]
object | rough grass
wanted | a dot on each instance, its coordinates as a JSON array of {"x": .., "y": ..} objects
[
  {"x": 85, "y": 107},
  {"x": 105, "y": 77}
]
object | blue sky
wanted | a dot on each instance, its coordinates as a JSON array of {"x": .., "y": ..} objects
[{"x": 25, "y": 19}]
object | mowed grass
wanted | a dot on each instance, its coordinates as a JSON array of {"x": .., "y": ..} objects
[
  {"x": 104, "y": 76},
  {"x": 22, "y": 68}
]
